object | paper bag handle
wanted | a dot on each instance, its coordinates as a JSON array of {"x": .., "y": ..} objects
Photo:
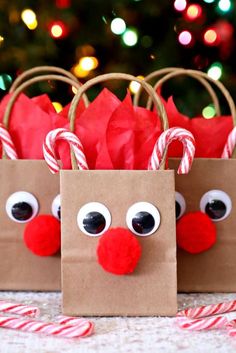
[
  {"x": 23, "y": 86},
  {"x": 168, "y": 70},
  {"x": 39, "y": 70},
  {"x": 117, "y": 76},
  {"x": 217, "y": 83}
]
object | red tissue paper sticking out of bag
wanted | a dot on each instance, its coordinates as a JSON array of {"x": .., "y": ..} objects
[
  {"x": 210, "y": 134},
  {"x": 117, "y": 135},
  {"x": 30, "y": 121}
]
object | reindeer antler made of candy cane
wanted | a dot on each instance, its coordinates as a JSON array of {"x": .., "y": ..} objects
[
  {"x": 74, "y": 142},
  {"x": 161, "y": 146},
  {"x": 7, "y": 144},
  {"x": 230, "y": 145}
]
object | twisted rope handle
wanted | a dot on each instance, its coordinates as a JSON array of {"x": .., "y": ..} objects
[
  {"x": 168, "y": 70},
  {"x": 117, "y": 76},
  {"x": 39, "y": 70}
]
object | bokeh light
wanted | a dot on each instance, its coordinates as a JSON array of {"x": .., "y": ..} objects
[
  {"x": 210, "y": 37},
  {"x": 130, "y": 37},
  {"x": 28, "y": 16},
  {"x": 215, "y": 71},
  {"x": 88, "y": 63},
  {"x": 193, "y": 11},
  {"x": 1, "y": 40},
  {"x": 5, "y": 81},
  {"x": 134, "y": 85},
  {"x": 185, "y": 38},
  {"x": 58, "y": 107},
  {"x": 209, "y": 112},
  {"x": 209, "y": 1},
  {"x": 58, "y": 29},
  {"x": 118, "y": 26},
  {"x": 180, "y": 5},
  {"x": 224, "y": 5}
]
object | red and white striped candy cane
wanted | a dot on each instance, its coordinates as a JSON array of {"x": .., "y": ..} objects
[
  {"x": 70, "y": 320},
  {"x": 7, "y": 144},
  {"x": 48, "y": 328},
  {"x": 204, "y": 317},
  {"x": 165, "y": 139},
  {"x": 19, "y": 309},
  {"x": 230, "y": 145},
  {"x": 74, "y": 142}
]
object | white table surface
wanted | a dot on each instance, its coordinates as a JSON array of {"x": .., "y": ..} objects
[{"x": 128, "y": 335}]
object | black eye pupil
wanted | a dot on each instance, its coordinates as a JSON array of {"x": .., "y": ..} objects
[
  {"x": 22, "y": 211},
  {"x": 59, "y": 212},
  {"x": 215, "y": 209},
  {"x": 94, "y": 222},
  {"x": 177, "y": 209},
  {"x": 143, "y": 222}
]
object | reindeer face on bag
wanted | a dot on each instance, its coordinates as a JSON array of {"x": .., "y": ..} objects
[{"x": 118, "y": 232}]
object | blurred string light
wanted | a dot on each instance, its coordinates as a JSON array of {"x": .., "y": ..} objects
[
  {"x": 63, "y": 4},
  {"x": 58, "y": 29},
  {"x": 5, "y": 81},
  {"x": 224, "y": 5},
  {"x": 215, "y": 71},
  {"x": 28, "y": 16},
  {"x": 130, "y": 37},
  {"x": 85, "y": 65},
  {"x": 134, "y": 85},
  {"x": 193, "y": 12},
  {"x": 209, "y": 112},
  {"x": 118, "y": 26},
  {"x": 209, "y": 1},
  {"x": 1, "y": 40},
  {"x": 180, "y": 5},
  {"x": 58, "y": 107},
  {"x": 210, "y": 37},
  {"x": 185, "y": 38}
]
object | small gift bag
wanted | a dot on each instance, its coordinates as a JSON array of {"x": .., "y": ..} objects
[
  {"x": 118, "y": 226},
  {"x": 205, "y": 199},
  {"x": 29, "y": 193}
]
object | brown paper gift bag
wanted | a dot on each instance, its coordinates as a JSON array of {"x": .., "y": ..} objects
[
  {"x": 28, "y": 184},
  {"x": 208, "y": 188},
  {"x": 91, "y": 284}
]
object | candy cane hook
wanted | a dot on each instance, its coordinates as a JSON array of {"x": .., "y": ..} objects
[
  {"x": 7, "y": 144},
  {"x": 230, "y": 145},
  {"x": 165, "y": 139},
  {"x": 74, "y": 142}
]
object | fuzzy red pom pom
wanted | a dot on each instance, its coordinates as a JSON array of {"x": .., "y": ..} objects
[
  {"x": 195, "y": 232},
  {"x": 118, "y": 251},
  {"x": 42, "y": 235}
]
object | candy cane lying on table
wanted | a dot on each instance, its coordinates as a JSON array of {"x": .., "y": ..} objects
[
  {"x": 204, "y": 317},
  {"x": 48, "y": 328},
  {"x": 230, "y": 145},
  {"x": 7, "y": 144},
  {"x": 49, "y": 148},
  {"x": 19, "y": 309},
  {"x": 70, "y": 320},
  {"x": 165, "y": 139}
]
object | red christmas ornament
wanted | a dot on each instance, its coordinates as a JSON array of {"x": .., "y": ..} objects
[
  {"x": 195, "y": 232},
  {"x": 42, "y": 235},
  {"x": 118, "y": 251}
]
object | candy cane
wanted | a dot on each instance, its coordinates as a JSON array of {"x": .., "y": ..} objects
[
  {"x": 74, "y": 142},
  {"x": 19, "y": 309},
  {"x": 8, "y": 145},
  {"x": 48, "y": 328},
  {"x": 200, "y": 318},
  {"x": 70, "y": 320},
  {"x": 230, "y": 145},
  {"x": 166, "y": 138}
]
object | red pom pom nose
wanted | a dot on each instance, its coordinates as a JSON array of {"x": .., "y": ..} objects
[
  {"x": 42, "y": 235},
  {"x": 195, "y": 232},
  {"x": 118, "y": 251}
]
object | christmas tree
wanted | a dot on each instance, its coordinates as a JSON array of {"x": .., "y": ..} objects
[{"x": 91, "y": 37}]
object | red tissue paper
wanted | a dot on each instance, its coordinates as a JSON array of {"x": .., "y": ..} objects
[{"x": 30, "y": 121}]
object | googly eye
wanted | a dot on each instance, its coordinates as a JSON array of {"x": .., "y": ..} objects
[
  {"x": 22, "y": 206},
  {"x": 56, "y": 207},
  {"x": 143, "y": 218},
  {"x": 180, "y": 205},
  {"x": 216, "y": 204},
  {"x": 94, "y": 219}
]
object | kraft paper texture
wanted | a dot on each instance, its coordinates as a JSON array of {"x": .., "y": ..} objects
[
  {"x": 19, "y": 268},
  {"x": 87, "y": 288}
]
